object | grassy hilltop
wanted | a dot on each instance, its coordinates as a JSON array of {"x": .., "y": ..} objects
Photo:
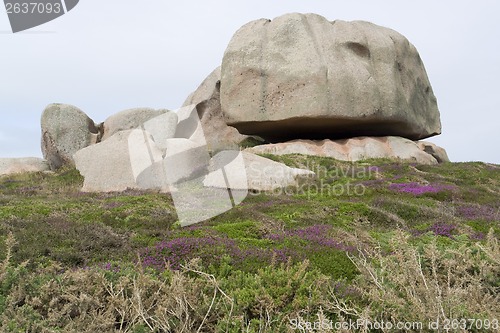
[{"x": 377, "y": 241}]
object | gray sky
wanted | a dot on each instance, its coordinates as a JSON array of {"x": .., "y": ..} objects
[{"x": 108, "y": 56}]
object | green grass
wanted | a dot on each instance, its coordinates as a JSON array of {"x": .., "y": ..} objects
[
  {"x": 239, "y": 230},
  {"x": 48, "y": 212}
]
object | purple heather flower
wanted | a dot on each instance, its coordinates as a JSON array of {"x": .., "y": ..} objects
[
  {"x": 479, "y": 212},
  {"x": 418, "y": 189},
  {"x": 477, "y": 236},
  {"x": 211, "y": 249},
  {"x": 443, "y": 229},
  {"x": 316, "y": 235}
]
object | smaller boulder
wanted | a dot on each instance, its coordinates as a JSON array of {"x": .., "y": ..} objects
[
  {"x": 10, "y": 166},
  {"x": 132, "y": 119},
  {"x": 354, "y": 149},
  {"x": 437, "y": 152},
  {"x": 185, "y": 159},
  {"x": 261, "y": 174},
  {"x": 162, "y": 128},
  {"x": 65, "y": 130},
  {"x": 196, "y": 202},
  {"x": 116, "y": 164}
]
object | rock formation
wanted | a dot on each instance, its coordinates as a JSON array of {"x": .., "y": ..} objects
[
  {"x": 301, "y": 76},
  {"x": 345, "y": 90},
  {"x": 152, "y": 159},
  {"x": 437, "y": 152}
]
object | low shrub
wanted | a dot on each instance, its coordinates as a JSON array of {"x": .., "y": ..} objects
[{"x": 428, "y": 285}]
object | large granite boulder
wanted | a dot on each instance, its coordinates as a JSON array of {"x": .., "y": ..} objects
[
  {"x": 10, "y": 166},
  {"x": 65, "y": 130},
  {"x": 218, "y": 135},
  {"x": 301, "y": 76},
  {"x": 360, "y": 148}
]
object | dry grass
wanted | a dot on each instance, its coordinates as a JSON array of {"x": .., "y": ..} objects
[
  {"x": 89, "y": 301},
  {"x": 426, "y": 285}
]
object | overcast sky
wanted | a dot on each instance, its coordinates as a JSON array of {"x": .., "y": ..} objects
[{"x": 108, "y": 56}]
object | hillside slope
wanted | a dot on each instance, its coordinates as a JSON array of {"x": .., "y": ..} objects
[{"x": 375, "y": 240}]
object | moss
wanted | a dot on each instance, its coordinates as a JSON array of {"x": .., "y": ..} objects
[
  {"x": 141, "y": 240},
  {"x": 239, "y": 230},
  {"x": 256, "y": 243},
  {"x": 69, "y": 177},
  {"x": 442, "y": 196},
  {"x": 289, "y": 216},
  {"x": 348, "y": 212},
  {"x": 465, "y": 174},
  {"x": 26, "y": 209},
  {"x": 443, "y": 243},
  {"x": 334, "y": 263}
]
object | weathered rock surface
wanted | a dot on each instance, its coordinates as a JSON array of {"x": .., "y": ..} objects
[
  {"x": 189, "y": 125},
  {"x": 303, "y": 77},
  {"x": 117, "y": 163},
  {"x": 10, "y": 166},
  {"x": 437, "y": 152},
  {"x": 162, "y": 128},
  {"x": 356, "y": 149},
  {"x": 218, "y": 135},
  {"x": 184, "y": 159},
  {"x": 261, "y": 174},
  {"x": 65, "y": 130},
  {"x": 206, "y": 89},
  {"x": 131, "y": 119}
]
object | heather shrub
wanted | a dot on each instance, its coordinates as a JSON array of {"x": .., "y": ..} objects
[
  {"x": 119, "y": 262},
  {"x": 128, "y": 301},
  {"x": 248, "y": 253},
  {"x": 411, "y": 283},
  {"x": 9, "y": 275},
  {"x": 131, "y": 299},
  {"x": 268, "y": 300},
  {"x": 426, "y": 285}
]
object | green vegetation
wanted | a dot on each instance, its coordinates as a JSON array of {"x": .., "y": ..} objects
[{"x": 376, "y": 240}]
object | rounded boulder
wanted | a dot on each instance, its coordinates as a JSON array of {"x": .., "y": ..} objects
[
  {"x": 301, "y": 76},
  {"x": 65, "y": 130}
]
